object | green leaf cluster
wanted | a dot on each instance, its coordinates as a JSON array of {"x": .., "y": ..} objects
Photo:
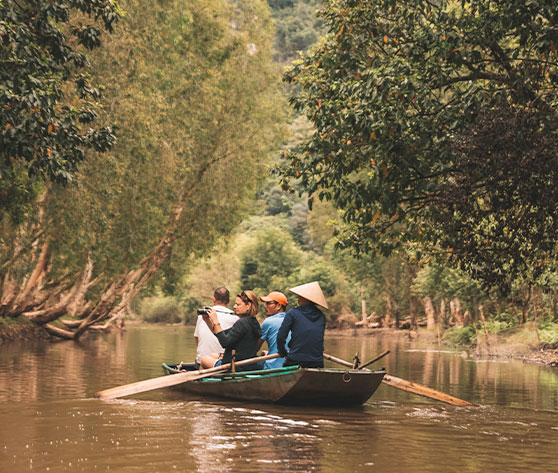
[
  {"x": 195, "y": 95},
  {"x": 407, "y": 98},
  {"x": 48, "y": 101}
]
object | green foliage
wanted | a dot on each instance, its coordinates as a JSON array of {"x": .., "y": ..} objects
[
  {"x": 298, "y": 223},
  {"x": 48, "y": 100},
  {"x": 161, "y": 310},
  {"x": 435, "y": 122},
  {"x": 460, "y": 336},
  {"x": 199, "y": 113},
  {"x": 441, "y": 282},
  {"x": 504, "y": 320},
  {"x": 495, "y": 325},
  {"x": 270, "y": 261},
  {"x": 297, "y": 26},
  {"x": 263, "y": 256},
  {"x": 548, "y": 333},
  {"x": 277, "y": 201},
  {"x": 322, "y": 221}
]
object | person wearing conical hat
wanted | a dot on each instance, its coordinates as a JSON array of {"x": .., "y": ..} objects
[{"x": 307, "y": 326}]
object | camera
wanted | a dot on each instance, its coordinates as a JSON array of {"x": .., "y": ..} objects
[{"x": 203, "y": 310}]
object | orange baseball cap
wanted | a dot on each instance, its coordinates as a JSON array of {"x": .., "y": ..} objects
[{"x": 276, "y": 296}]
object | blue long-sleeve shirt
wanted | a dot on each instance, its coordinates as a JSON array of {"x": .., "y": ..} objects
[{"x": 307, "y": 326}]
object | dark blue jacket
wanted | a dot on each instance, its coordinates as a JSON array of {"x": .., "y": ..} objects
[{"x": 307, "y": 325}]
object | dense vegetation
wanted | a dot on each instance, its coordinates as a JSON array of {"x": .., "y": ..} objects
[
  {"x": 417, "y": 182},
  {"x": 435, "y": 135},
  {"x": 43, "y": 134},
  {"x": 198, "y": 113}
]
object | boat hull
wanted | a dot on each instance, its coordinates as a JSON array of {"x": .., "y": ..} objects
[{"x": 289, "y": 385}]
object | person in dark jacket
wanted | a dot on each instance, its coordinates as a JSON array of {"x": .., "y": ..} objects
[
  {"x": 242, "y": 337},
  {"x": 307, "y": 326}
]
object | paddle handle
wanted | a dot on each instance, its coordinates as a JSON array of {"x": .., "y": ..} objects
[
  {"x": 373, "y": 360},
  {"x": 338, "y": 360},
  {"x": 350, "y": 365}
]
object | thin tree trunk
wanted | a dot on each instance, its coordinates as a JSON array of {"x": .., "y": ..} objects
[
  {"x": 363, "y": 307},
  {"x": 413, "y": 312},
  {"x": 481, "y": 313},
  {"x": 525, "y": 307},
  {"x": 442, "y": 317}
]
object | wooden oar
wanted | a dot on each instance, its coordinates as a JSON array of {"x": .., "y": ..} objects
[
  {"x": 337, "y": 360},
  {"x": 373, "y": 360},
  {"x": 410, "y": 386},
  {"x": 425, "y": 391},
  {"x": 172, "y": 379}
]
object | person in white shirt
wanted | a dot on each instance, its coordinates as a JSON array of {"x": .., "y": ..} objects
[{"x": 205, "y": 340}]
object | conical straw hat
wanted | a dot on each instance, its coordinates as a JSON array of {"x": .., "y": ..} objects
[{"x": 311, "y": 291}]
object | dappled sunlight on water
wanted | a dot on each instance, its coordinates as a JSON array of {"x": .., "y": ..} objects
[{"x": 49, "y": 420}]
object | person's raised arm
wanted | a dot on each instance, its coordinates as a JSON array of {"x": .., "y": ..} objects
[
  {"x": 230, "y": 337},
  {"x": 212, "y": 321}
]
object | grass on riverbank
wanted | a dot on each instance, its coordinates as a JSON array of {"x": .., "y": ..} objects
[{"x": 497, "y": 340}]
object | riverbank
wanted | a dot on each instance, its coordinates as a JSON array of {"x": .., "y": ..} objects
[
  {"x": 519, "y": 344},
  {"x": 21, "y": 329},
  {"x": 544, "y": 357},
  {"x": 522, "y": 345}
]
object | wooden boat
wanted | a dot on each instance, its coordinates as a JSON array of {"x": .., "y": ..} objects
[{"x": 287, "y": 385}]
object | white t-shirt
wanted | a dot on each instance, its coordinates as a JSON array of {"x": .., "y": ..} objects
[{"x": 207, "y": 342}]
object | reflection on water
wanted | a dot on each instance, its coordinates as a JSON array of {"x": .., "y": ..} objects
[{"x": 50, "y": 422}]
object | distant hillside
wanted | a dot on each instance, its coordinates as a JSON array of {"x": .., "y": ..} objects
[{"x": 297, "y": 26}]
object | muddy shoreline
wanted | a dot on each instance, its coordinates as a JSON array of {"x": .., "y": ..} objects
[{"x": 18, "y": 331}]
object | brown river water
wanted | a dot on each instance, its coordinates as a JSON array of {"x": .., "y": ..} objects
[{"x": 50, "y": 422}]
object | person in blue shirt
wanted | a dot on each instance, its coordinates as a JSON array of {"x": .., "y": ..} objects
[
  {"x": 275, "y": 304},
  {"x": 307, "y": 326}
]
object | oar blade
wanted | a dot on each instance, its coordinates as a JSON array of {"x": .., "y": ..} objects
[
  {"x": 153, "y": 383},
  {"x": 425, "y": 391}
]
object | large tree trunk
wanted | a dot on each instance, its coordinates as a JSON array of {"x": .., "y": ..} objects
[
  {"x": 430, "y": 312},
  {"x": 456, "y": 312},
  {"x": 16, "y": 299},
  {"x": 389, "y": 312}
]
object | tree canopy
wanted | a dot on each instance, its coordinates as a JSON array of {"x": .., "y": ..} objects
[
  {"x": 435, "y": 122},
  {"x": 49, "y": 103},
  {"x": 198, "y": 112}
]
